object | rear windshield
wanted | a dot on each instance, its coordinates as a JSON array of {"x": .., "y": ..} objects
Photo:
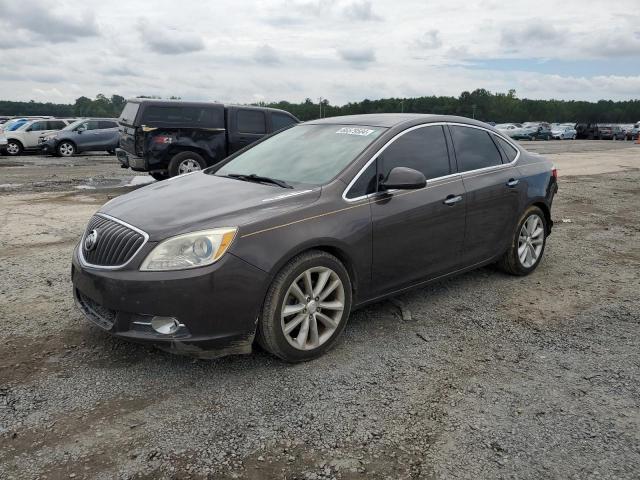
[
  {"x": 183, "y": 116},
  {"x": 128, "y": 115}
]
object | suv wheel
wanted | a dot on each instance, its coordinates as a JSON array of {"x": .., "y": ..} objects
[
  {"x": 306, "y": 308},
  {"x": 14, "y": 148},
  {"x": 66, "y": 149},
  {"x": 186, "y": 162},
  {"x": 527, "y": 245}
]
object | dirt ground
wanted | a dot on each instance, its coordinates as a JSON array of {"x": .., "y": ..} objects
[{"x": 494, "y": 377}]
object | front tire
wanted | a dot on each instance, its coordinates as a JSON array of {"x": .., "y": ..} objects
[
  {"x": 306, "y": 308},
  {"x": 66, "y": 149},
  {"x": 186, "y": 162},
  {"x": 527, "y": 245},
  {"x": 14, "y": 148}
]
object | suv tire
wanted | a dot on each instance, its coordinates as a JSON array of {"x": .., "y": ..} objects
[
  {"x": 327, "y": 271},
  {"x": 185, "y": 162},
  {"x": 66, "y": 149},
  {"x": 14, "y": 148}
]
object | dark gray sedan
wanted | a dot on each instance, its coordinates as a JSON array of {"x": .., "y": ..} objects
[{"x": 281, "y": 241}]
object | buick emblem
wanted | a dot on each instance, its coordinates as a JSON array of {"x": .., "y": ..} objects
[{"x": 91, "y": 240}]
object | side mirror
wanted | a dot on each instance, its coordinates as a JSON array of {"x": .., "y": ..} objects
[
  {"x": 403, "y": 178},
  {"x": 81, "y": 128}
]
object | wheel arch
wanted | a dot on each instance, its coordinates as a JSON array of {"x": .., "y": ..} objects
[
  {"x": 176, "y": 149},
  {"x": 547, "y": 213}
]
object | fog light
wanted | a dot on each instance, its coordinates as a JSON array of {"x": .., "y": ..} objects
[{"x": 165, "y": 325}]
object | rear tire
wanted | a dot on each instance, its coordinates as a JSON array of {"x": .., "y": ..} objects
[
  {"x": 527, "y": 243},
  {"x": 186, "y": 162},
  {"x": 14, "y": 148},
  {"x": 316, "y": 288}
]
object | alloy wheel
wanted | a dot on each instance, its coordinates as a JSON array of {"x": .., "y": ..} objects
[
  {"x": 531, "y": 241},
  {"x": 13, "y": 148},
  {"x": 188, "y": 165},
  {"x": 313, "y": 308},
  {"x": 66, "y": 149}
]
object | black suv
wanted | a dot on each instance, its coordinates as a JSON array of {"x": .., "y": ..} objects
[{"x": 168, "y": 138}]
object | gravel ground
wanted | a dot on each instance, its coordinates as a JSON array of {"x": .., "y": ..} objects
[{"x": 494, "y": 376}]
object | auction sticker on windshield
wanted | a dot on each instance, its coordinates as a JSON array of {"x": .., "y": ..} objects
[{"x": 356, "y": 131}]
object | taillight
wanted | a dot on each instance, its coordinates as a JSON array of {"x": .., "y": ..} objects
[
  {"x": 162, "y": 139},
  {"x": 554, "y": 173}
]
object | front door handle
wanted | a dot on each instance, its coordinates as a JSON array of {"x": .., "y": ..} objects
[
  {"x": 512, "y": 182},
  {"x": 452, "y": 199}
]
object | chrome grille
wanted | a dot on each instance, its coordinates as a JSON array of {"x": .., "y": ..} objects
[{"x": 116, "y": 242}]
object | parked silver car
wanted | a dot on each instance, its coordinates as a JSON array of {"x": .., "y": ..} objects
[
  {"x": 84, "y": 135},
  {"x": 564, "y": 132}
]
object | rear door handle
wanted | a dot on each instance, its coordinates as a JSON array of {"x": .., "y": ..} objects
[
  {"x": 513, "y": 182},
  {"x": 452, "y": 199}
]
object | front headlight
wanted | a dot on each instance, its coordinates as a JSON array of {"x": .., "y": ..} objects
[{"x": 191, "y": 250}]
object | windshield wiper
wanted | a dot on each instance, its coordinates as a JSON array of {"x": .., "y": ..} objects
[{"x": 260, "y": 179}]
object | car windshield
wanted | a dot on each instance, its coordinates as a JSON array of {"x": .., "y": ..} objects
[{"x": 308, "y": 154}]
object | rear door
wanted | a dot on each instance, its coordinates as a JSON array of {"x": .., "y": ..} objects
[
  {"x": 492, "y": 187},
  {"x": 417, "y": 234},
  {"x": 247, "y": 125},
  {"x": 109, "y": 129},
  {"x": 33, "y": 132}
]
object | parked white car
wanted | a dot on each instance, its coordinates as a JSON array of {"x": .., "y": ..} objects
[
  {"x": 564, "y": 132},
  {"x": 26, "y": 137},
  {"x": 509, "y": 129}
]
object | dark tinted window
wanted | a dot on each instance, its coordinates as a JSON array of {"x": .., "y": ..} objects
[
  {"x": 474, "y": 148},
  {"x": 107, "y": 124},
  {"x": 251, "y": 121},
  {"x": 507, "y": 149},
  {"x": 91, "y": 125},
  {"x": 38, "y": 126},
  {"x": 365, "y": 184},
  {"x": 55, "y": 124},
  {"x": 179, "y": 115},
  {"x": 423, "y": 149},
  {"x": 280, "y": 120}
]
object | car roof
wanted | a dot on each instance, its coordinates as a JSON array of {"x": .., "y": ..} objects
[
  {"x": 396, "y": 119},
  {"x": 182, "y": 103}
]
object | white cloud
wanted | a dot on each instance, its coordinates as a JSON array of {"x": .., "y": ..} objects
[{"x": 344, "y": 50}]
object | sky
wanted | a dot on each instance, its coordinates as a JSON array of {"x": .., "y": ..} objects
[{"x": 341, "y": 50}]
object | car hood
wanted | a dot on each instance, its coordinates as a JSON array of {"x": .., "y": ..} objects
[{"x": 199, "y": 201}]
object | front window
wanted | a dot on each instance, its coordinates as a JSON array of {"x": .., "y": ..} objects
[{"x": 308, "y": 154}]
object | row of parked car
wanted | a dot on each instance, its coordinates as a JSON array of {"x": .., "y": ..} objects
[
  {"x": 58, "y": 136},
  {"x": 568, "y": 131}
]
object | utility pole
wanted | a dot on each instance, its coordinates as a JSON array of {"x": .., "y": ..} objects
[
  {"x": 474, "y": 110},
  {"x": 402, "y": 106},
  {"x": 320, "y": 104}
]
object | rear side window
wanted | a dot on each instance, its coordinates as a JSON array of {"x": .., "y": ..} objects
[
  {"x": 92, "y": 125},
  {"x": 365, "y": 184},
  {"x": 107, "y": 124},
  {"x": 251, "y": 121},
  {"x": 55, "y": 124},
  {"x": 423, "y": 149},
  {"x": 280, "y": 120},
  {"x": 181, "y": 116},
  {"x": 474, "y": 148},
  {"x": 507, "y": 149},
  {"x": 38, "y": 126}
]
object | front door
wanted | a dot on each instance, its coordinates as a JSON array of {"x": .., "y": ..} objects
[{"x": 417, "y": 234}]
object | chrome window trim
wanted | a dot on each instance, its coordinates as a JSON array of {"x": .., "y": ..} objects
[
  {"x": 480, "y": 171},
  {"x": 84, "y": 263}
]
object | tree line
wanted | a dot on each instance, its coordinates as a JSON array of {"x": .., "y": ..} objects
[{"x": 480, "y": 104}]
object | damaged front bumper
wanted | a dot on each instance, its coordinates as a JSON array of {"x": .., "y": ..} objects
[{"x": 215, "y": 307}]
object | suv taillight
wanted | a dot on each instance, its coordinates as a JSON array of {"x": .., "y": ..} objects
[{"x": 162, "y": 139}]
